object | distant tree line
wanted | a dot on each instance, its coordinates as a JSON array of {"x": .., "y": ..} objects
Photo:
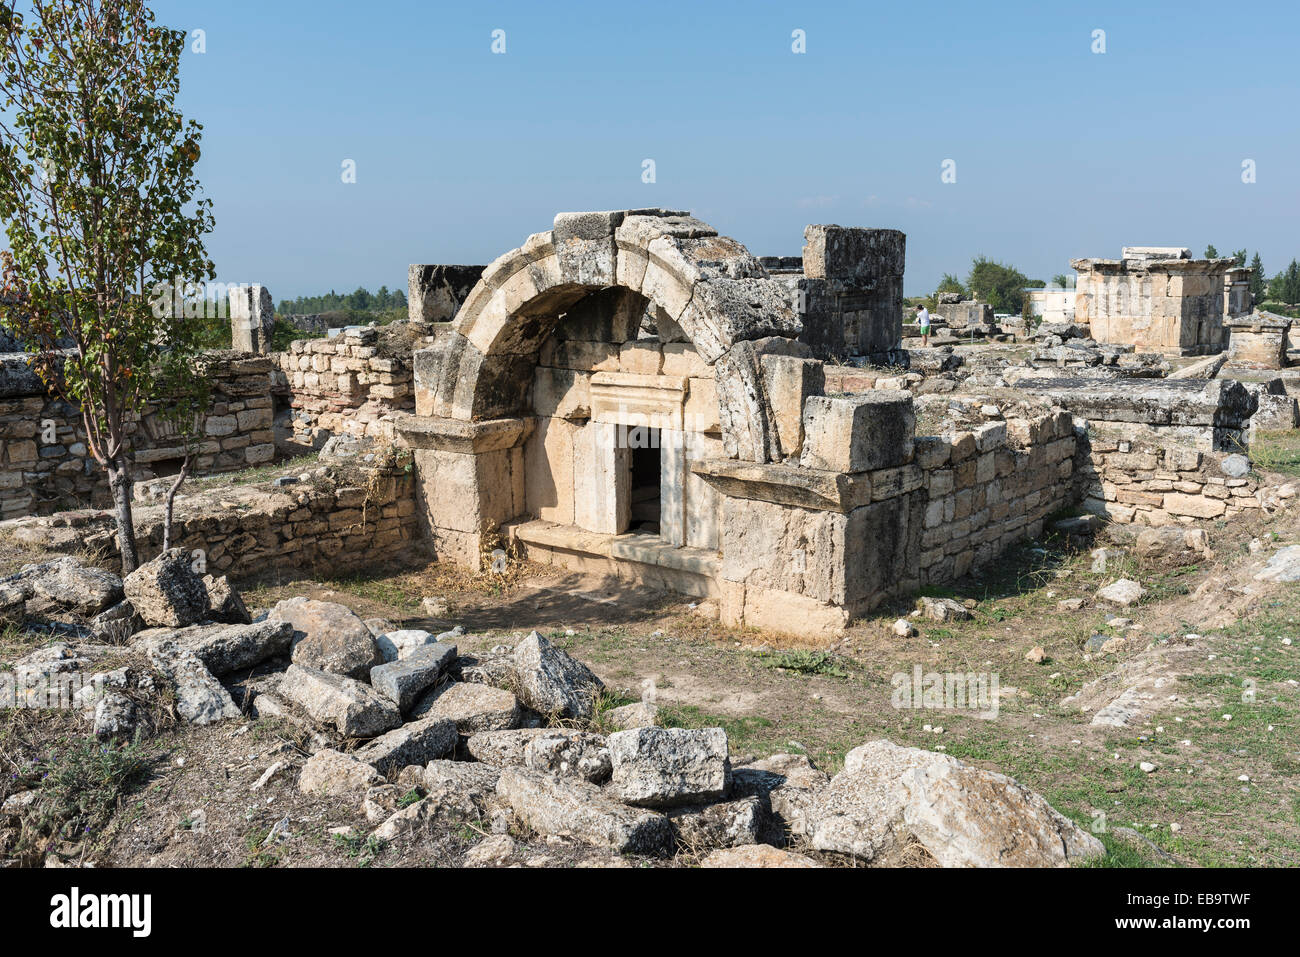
[
  {"x": 361, "y": 300},
  {"x": 1284, "y": 288}
]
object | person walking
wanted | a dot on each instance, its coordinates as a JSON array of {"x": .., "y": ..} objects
[{"x": 923, "y": 319}]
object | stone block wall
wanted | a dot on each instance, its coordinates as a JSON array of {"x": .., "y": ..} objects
[
  {"x": 344, "y": 385},
  {"x": 45, "y": 465},
  {"x": 336, "y": 526},
  {"x": 1145, "y": 483},
  {"x": 1259, "y": 341}
]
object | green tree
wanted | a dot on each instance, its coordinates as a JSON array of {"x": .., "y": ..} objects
[
  {"x": 950, "y": 283},
  {"x": 1211, "y": 252},
  {"x": 1258, "y": 284},
  {"x": 1061, "y": 281},
  {"x": 99, "y": 200},
  {"x": 1000, "y": 285}
]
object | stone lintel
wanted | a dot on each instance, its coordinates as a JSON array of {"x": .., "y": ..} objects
[
  {"x": 455, "y": 435},
  {"x": 625, "y": 398},
  {"x": 787, "y": 485}
]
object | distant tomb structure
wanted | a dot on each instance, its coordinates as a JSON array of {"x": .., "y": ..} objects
[{"x": 1155, "y": 297}]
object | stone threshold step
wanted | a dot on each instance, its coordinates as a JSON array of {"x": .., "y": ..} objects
[{"x": 632, "y": 546}]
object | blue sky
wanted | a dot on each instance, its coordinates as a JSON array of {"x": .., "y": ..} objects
[{"x": 461, "y": 153}]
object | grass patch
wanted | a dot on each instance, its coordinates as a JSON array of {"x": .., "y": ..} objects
[{"x": 803, "y": 661}]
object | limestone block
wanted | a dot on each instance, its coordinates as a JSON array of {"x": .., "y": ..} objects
[
  {"x": 641, "y": 357},
  {"x": 858, "y": 433},
  {"x": 561, "y": 393},
  {"x": 680, "y": 358},
  {"x": 548, "y": 471},
  {"x": 789, "y": 381},
  {"x": 601, "y": 478},
  {"x": 701, "y": 410}
]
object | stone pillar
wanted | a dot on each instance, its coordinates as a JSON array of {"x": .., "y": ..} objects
[
  {"x": 852, "y": 291},
  {"x": 252, "y": 317}
]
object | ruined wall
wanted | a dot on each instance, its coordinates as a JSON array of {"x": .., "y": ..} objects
[
  {"x": 1148, "y": 484},
  {"x": 323, "y": 524},
  {"x": 850, "y": 296},
  {"x": 344, "y": 385},
  {"x": 45, "y": 465}
]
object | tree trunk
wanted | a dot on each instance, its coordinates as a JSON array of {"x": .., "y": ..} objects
[
  {"x": 171, "y": 501},
  {"x": 119, "y": 482}
]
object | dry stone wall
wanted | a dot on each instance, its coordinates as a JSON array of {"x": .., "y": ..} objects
[
  {"x": 45, "y": 465},
  {"x": 344, "y": 385}
]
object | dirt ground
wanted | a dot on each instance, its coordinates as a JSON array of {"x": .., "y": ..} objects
[{"x": 1208, "y": 653}]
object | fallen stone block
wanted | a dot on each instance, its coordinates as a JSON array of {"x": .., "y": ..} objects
[
  {"x": 567, "y": 752},
  {"x": 404, "y": 681},
  {"x": 630, "y": 716},
  {"x": 417, "y": 742},
  {"x": 166, "y": 592},
  {"x": 566, "y": 807},
  {"x": 551, "y": 682},
  {"x": 226, "y": 648},
  {"x": 889, "y": 798},
  {"x": 756, "y": 855},
  {"x": 200, "y": 697},
  {"x": 663, "y": 767},
  {"x": 224, "y": 603},
  {"x": 730, "y": 824},
  {"x": 68, "y": 583},
  {"x": 1124, "y": 592},
  {"x": 329, "y": 637},
  {"x": 355, "y": 709},
  {"x": 472, "y": 707},
  {"x": 333, "y": 773},
  {"x": 503, "y": 749},
  {"x": 395, "y": 645}
]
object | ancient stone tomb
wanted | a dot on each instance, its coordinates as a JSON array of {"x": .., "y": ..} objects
[{"x": 629, "y": 394}]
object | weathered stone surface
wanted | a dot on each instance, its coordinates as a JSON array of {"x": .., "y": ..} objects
[
  {"x": 581, "y": 811},
  {"x": 474, "y": 777},
  {"x": 226, "y": 648},
  {"x": 503, "y": 749},
  {"x": 858, "y": 433},
  {"x": 332, "y": 773},
  {"x": 355, "y": 709},
  {"x": 114, "y": 715},
  {"x": 1172, "y": 545},
  {"x": 444, "y": 804},
  {"x": 200, "y": 697},
  {"x": 567, "y": 752},
  {"x": 416, "y": 742},
  {"x": 784, "y": 783},
  {"x": 664, "y": 767},
  {"x": 756, "y": 855},
  {"x": 1282, "y": 566},
  {"x": 224, "y": 602},
  {"x": 13, "y": 606},
  {"x": 329, "y": 637},
  {"x": 405, "y": 680},
  {"x": 496, "y": 669},
  {"x": 166, "y": 592},
  {"x": 395, "y": 645},
  {"x": 1124, "y": 592},
  {"x": 473, "y": 707},
  {"x": 629, "y": 716},
  {"x": 944, "y": 609},
  {"x": 117, "y": 624},
  {"x": 70, "y": 584},
  {"x": 888, "y": 797},
  {"x": 731, "y": 824},
  {"x": 551, "y": 682}
]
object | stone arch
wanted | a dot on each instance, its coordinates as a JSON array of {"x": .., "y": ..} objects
[{"x": 708, "y": 285}]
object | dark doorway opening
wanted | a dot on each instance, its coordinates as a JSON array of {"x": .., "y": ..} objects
[{"x": 645, "y": 493}]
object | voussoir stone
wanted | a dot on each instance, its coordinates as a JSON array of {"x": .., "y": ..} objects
[
  {"x": 888, "y": 798},
  {"x": 355, "y": 709},
  {"x": 329, "y": 637},
  {"x": 663, "y": 767},
  {"x": 473, "y": 707},
  {"x": 566, "y": 807},
  {"x": 166, "y": 592},
  {"x": 551, "y": 682}
]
